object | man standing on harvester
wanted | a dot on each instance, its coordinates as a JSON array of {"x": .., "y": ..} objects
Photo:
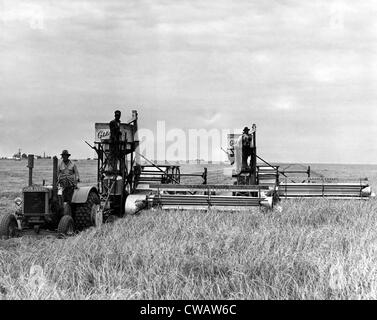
[
  {"x": 115, "y": 137},
  {"x": 247, "y": 139},
  {"x": 245, "y": 156},
  {"x": 68, "y": 176}
]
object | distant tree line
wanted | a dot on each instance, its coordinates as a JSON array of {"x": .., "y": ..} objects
[{"x": 24, "y": 156}]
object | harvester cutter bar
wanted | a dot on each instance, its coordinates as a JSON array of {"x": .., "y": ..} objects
[
  {"x": 233, "y": 208},
  {"x": 198, "y": 196},
  {"x": 205, "y": 200},
  {"x": 209, "y": 187},
  {"x": 328, "y": 190},
  {"x": 335, "y": 197}
]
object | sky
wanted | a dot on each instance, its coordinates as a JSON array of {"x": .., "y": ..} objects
[{"x": 304, "y": 71}]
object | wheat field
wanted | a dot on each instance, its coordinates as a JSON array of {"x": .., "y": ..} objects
[{"x": 311, "y": 249}]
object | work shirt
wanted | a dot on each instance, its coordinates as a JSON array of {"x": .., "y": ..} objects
[
  {"x": 246, "y": 140},
  {"x": 115, "y": 132},
  {"x": 68, "y": 173}
]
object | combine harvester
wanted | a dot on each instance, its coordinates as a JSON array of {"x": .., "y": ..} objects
[
  {"x": 155, "y": 188},
  {"x": 308, "y": 186},
  {"x": 130, "y": 186}
]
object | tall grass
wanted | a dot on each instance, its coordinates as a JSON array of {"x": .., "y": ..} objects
[{"x": 310, "y": 250}]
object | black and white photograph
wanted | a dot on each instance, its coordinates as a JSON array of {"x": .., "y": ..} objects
[{"x": 210, "y": 152}]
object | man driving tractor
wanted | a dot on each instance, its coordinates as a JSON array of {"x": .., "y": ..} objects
[{"x": 68, "y": 176}]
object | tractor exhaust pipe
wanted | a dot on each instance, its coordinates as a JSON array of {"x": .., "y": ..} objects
[
  {"x": 30, "y": 165},
  {"x": 54, "y": 178}
]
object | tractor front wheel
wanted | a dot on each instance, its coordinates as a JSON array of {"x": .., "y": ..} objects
[
  {"x": 8, "y": 226},
  {"x": 66, "y": 226},
  {"x": 84, "y": 211}
]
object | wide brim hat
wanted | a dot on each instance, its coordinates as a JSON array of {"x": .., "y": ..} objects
[
  {"x": 246, "y": 129},
  {"x": 65, "y": 152}
]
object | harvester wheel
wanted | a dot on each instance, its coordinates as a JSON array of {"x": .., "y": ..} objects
[
  {"x": 83, "y": 212},
  {"x": 8, "y": 226},
  {"x": 66, "y": 226}
]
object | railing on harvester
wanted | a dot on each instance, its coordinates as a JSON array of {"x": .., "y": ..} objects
[
  {"x": 306, "y": 183},
  {"x": 164, "y": 174}
]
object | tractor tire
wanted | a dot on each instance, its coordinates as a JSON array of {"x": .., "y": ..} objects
[
  {"x": 8, "y": 226},
  {"x": 83, "y": 212},
  {"x": 66, "y": 226}
]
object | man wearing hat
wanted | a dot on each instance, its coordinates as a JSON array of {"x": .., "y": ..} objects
[
  {"x": 68, "y": 176},
  {"x": 246, "y": 147},
  {"x": 114, "y": 124},
  {"x": 115, "y": 137}
]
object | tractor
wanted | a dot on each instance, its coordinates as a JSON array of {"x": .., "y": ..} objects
[{"x": 42, "y": 209}]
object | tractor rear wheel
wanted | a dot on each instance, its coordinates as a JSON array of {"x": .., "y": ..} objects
[
  {"x": 8, "y": 226},
  {"x": 84, "y": 211},
  {"x": 66, "y": 226}
]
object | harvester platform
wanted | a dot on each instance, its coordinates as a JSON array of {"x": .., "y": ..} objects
[{"x": 203, "y": 197}]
